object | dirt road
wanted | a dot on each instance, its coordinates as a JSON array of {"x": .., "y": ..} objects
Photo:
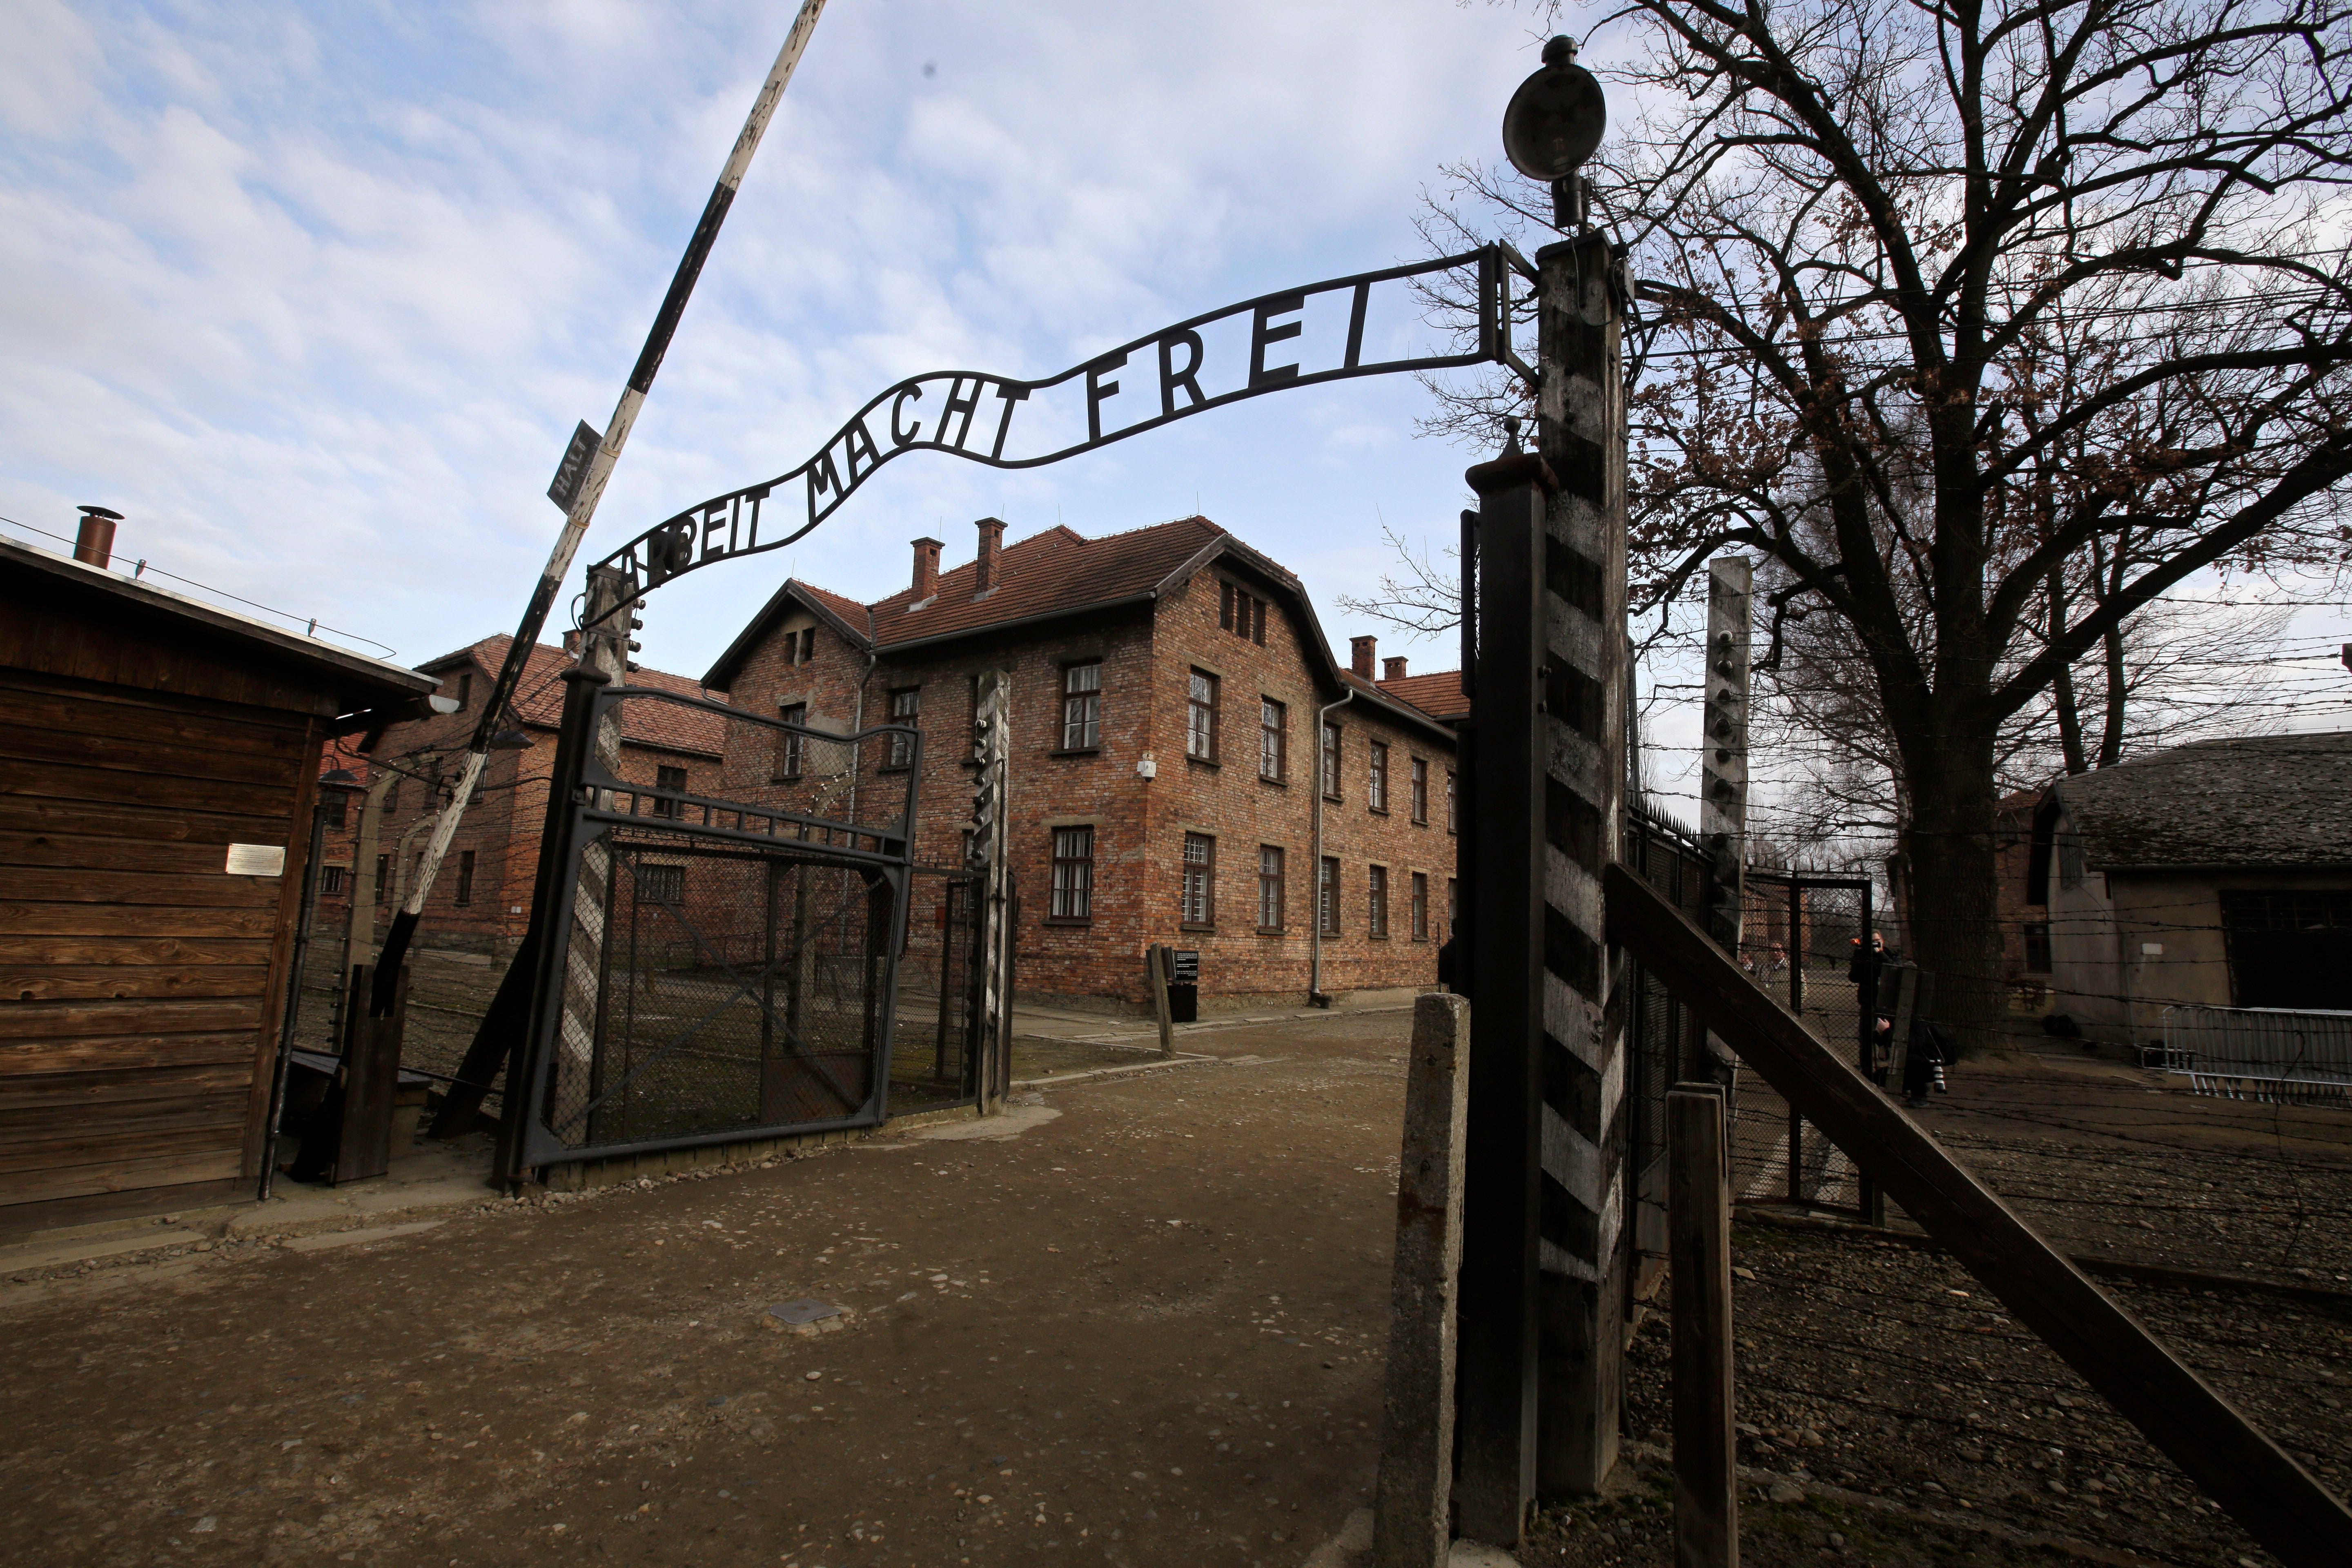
[
  {"x": 1146, "y": 1330},
  {"x": 1146, "y": 1327}
]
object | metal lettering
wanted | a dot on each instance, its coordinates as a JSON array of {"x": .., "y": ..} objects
[
  {"x": 823, "y": 477},
  {"x": 861, "y": 441},
  {"x": 961, "y": 404},
  {"x": 1012, "y": 393},
  {"x": 670, "y": 547},
  {"x": 1097, "y": 390},
  {"x": 904, "y": 437},
  {"x": 1264, "y": 334},
  {"x": 755, "y": 495},
  {"x": 1171, "y": 378}
]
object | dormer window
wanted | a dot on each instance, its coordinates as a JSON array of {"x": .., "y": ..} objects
[{"x": 1241, "y": 613}]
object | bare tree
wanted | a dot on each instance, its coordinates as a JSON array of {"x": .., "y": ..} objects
[{"x": 1861, "y": 229}]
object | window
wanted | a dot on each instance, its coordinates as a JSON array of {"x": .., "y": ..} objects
[
  {"x": 2037, "y": 948},
  {"x": 1376, "y": 787},
  {"x": 1200, "y": 733},
  {"x": 330, "y": 878},
  {"x": 668, "y": 778},
  {"x": 1074, "y": 874},
  {"x": 1421, "y": 906},
  {"x": 1081, "y": 707},
  {"x": 661, "y": 884},
  {"x": 1269, "y": 887},
  {"x": 1330, "y": 762},
  {"x": 1271, "y": 716},
  {"x": 383, "y": 875},
  {"x": 906, "y": 708},
  {"x": 2070, "y": 859},
  {"x": 1200, "y": 899},
  {"x": 1241, "y": 613},
  {"x": 1326, "y": 897},
  {"x": 2288, "y": 947},
  {"x": 1376, "y": 901},
  {"x": 1450, "y": 815},
  {"x": 332, "y": 803},
  {"x": 791, "y": 746},
  {"x": 1453, "y": 906},
  {"x": 1420, "y": 802},
  {"x": 464, "y": 691},
  {"x": 800, "y": 646},
  {"x": 464, "y": 876}
]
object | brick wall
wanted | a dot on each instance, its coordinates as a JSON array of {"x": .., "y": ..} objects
[
  {"x": 1146, "y": 657},
  {"x": 1233, "y": 802},
  {"x": 501, "y": 827}
]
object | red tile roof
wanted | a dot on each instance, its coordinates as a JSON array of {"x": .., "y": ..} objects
[
  {"x": 1438, "y": 693},
  {"x": 1060, "y": 571},
  {"x": 539, "y": 699},
  {"x": 1055, "y": 573},
  {"x": 852, "y": 614}
]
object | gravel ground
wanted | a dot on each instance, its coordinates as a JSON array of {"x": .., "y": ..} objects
[
  {"x": 1147, "y": 1330},
  {"x": 1919, "y": 1423}
]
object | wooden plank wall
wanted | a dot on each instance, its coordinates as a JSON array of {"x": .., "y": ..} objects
[{"x": 141, "y": 984}]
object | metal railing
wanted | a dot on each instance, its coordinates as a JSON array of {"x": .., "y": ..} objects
[{"x": 2260, "y": 1053}]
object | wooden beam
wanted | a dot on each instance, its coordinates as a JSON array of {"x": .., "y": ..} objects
[
  {"x": 1698, "y": 1221},
  {"x": 2276, "y": 1500},
  {"x": 1155, "y": 970}
]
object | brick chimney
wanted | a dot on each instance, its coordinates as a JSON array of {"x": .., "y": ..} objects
[
  {"x": 1391, "y": 670},
  {"x": 94, "y": 542},
  {"x": 991, "y": 540},
  {"x": 1359, "y": 655},
  {"x": 926, "y": 568}
]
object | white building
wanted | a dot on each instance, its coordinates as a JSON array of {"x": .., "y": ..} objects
[{"x": 2218, "y": 873}]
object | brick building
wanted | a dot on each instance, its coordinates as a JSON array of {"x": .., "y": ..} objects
[
  {"x": 481, "y": 901},
  {"x": 1191, "y": 764}
]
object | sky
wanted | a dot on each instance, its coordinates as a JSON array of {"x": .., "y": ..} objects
[{"x": 314, "y": 296}]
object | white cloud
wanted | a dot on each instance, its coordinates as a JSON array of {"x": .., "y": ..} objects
[{"x": 316, "y": 299}]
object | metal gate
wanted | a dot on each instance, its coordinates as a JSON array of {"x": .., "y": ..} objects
[
  {"x": 1662, "y": 1036},
  {"x": 724, "y": 969},
  {"x": 1798, "y": 937},
  {"x": 939, "y": 994}
]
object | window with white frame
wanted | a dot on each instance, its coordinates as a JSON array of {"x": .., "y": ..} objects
[
  {"x": 1082, "y": 706},
  {"x": 906, "y": 708},
  {"x": 1074, "y": 874},
  {"x": 1272, "y": 732},
  {"x": 1200, "y": 729},
  {"x": 1200, "y": 891},
  {"x": 1269, "y": 887}
]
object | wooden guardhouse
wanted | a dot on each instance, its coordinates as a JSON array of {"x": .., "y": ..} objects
[{"x": 158, "y": 760}]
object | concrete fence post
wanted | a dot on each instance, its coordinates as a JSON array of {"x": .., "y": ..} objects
[{"x": 1411, "y": 1527}]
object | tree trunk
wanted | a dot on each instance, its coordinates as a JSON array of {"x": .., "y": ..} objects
[
  {"x": 1955, "y": 926},
  {"x": 2070, "y": 718}
]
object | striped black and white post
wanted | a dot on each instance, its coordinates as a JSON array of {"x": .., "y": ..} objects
[
  {"x": 991, "y": 857},
  {"x": 587, "y": 488},
  {"x": 1580, "y": 431},
  {"x": 1542, "y": 1281},
  {"x": 1723, "y": 779}
]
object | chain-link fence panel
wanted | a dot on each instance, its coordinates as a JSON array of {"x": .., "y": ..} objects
[
  {"x": 1799, "y": 939},
  {"x": 722, "y": 967},
  {"x": 734, "y": 991},
  {"x": 934, "y": 1046}
]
